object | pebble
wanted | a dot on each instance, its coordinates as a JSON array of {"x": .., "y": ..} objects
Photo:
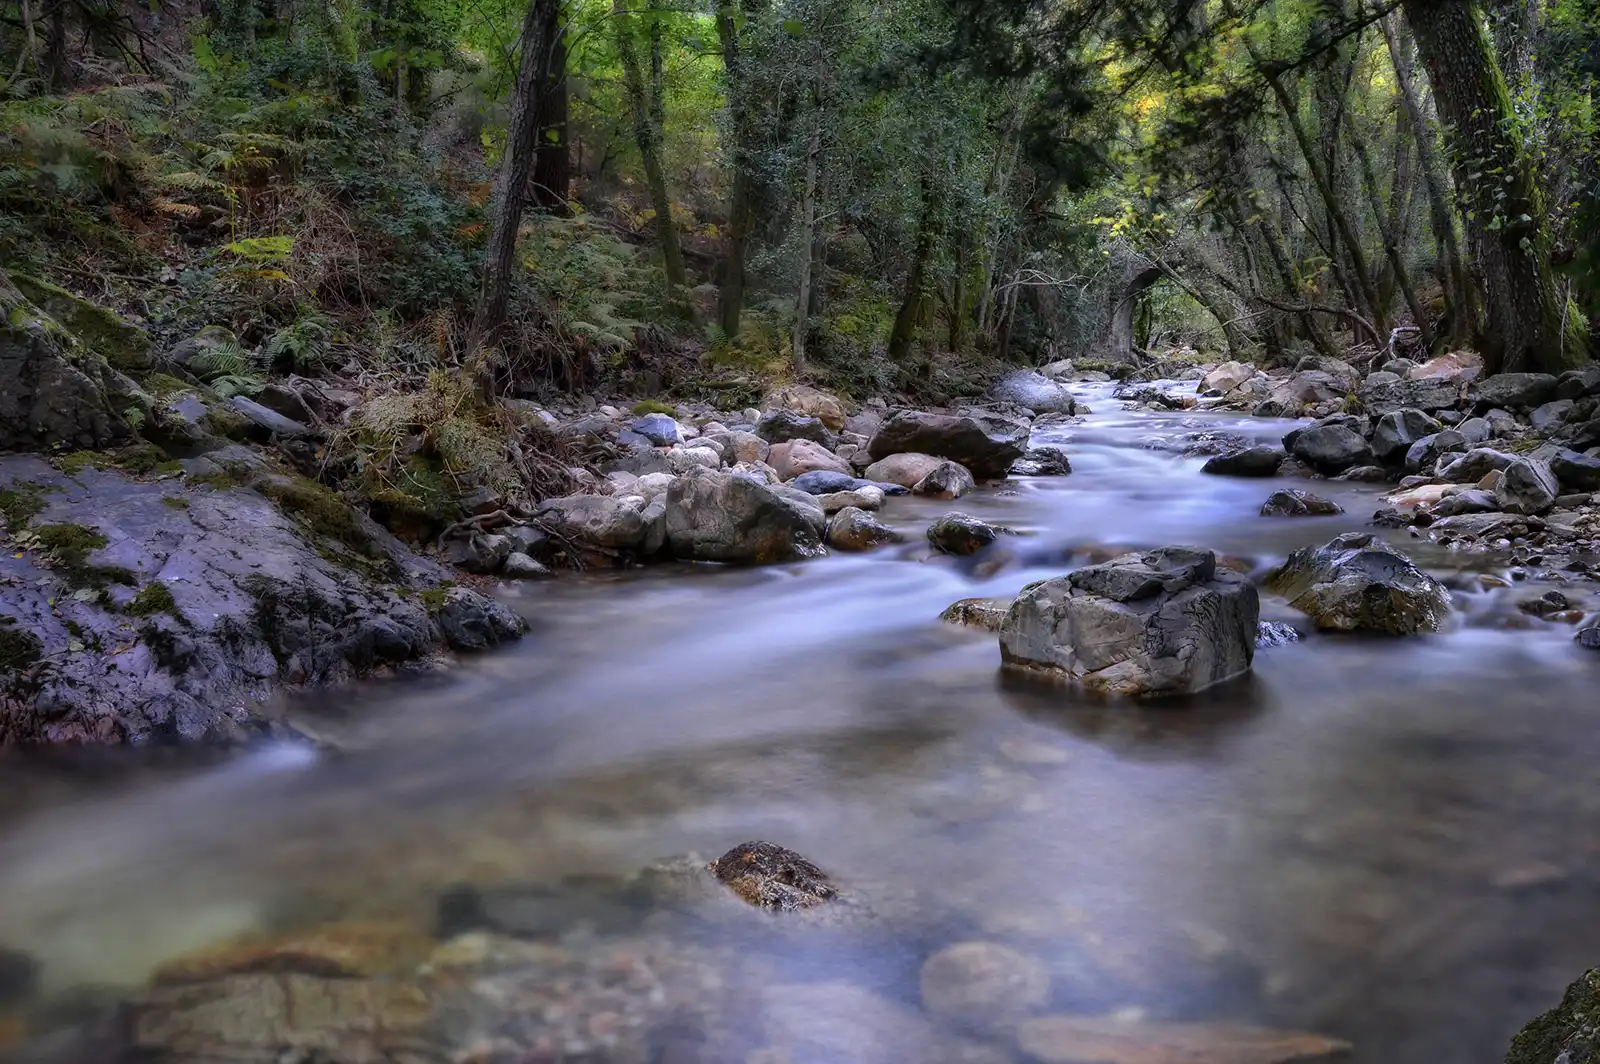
[{"x": 983, "y": 985}]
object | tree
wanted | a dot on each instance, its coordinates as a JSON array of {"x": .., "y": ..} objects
[
  {"x": 741, "y": 122},
  {"x": 516, "y": 169},
  {"x": 552, "y": 168},
  {"x": 1529, "y": 324},
  {"x": 647, "y": 107}
]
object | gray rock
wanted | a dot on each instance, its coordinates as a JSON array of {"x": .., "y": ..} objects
[
  {"x": 282, "y": 399},
  {"x": 1427, "y": 395},
  {"x": 640, "y": 458},
  {"x": 1292, "y": 502},
  {"x": 268, "y": 423},
  {"x": 962, "y": 534},
  {"x": 185, "y": 353},
  {"x": 478, "y": 554},
  {"x": 601, "y": 523},
  {"x": 1357, "y": 583},
  {"x": 1275, "y": 634},
  {"x": 1472, "y": 501},
  {"x": 854, "y": 529},
  {"x": 1395, "y": 432},
  {"x": 1575, "y": 471},
  {"x": 1342, "y": 373},
  {"x": 1424, "y": 455},
  {"x": 1259, "y": 461},
  {"x": 1046, "y": 460},
  {"x": 1473, "y": 466},
  {"x": 781, "y": 426},
  {"x": 470, "y": 621},
  {"x": 986, "y": 613},
  {"x": 1164, "y": 622},
  {"x": 654, "y": 516},
  {"x": 519, "y": 566},
  {"x": 1589, "y": 637},
  {"x": 827, "y": 482},
  {"x": 864, "y": 498},
  {"x": 1476, "y": 429},
  {"x": 1366, "y": 474},
  {"x": 1579, "y": 383},
  {"x": 722, "y": 516},
  {"x": 1527, "y": 487},
  {"x": 1551, "y": 416},
  {"x": 661, "y": 430},
  {"x": 987, "y": 447},
  {"x": 948, "y": 480},
  {"x": 1379, "y": 378},
  {"x": 1515, "y": 391},
  {"x": 1034, "y": 391},
  {"x": 1329, "y": 447}
]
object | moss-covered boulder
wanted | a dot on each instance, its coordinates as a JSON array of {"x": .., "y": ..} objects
[
  {"x": 100, "y": 331},
  {"x": 52, "y": 392},
  {"x": 1568, "y": 1033}
]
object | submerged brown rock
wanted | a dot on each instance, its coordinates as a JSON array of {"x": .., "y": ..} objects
[{"x": 771, "y": 877}]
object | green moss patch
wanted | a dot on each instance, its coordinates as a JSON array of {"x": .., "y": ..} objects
[
  {"x": 140, "y": 458},
  {"x": 20, "y": 650},
  {"x": 21, "y": 503},
  {"x": 152, "y": 599},
  {"x": 655, "y": 406},
  {"x": 434, "y": 598},
  {"x": 70, "y": 547},
  {"x": 98, "y": 329},
  {"x": 175, "y": 502},
  {"x": 322, "y": 511}
]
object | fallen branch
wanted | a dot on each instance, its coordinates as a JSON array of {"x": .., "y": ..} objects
[{"x": 1315, "y": 308}]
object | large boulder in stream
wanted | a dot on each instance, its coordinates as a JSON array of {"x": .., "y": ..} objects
[
  {"x": 1396, "y": 431},
  {"x": 987, "y": 447},
  {"x": 1261, "y": 461},
  {"x": 1358, "y": 583},
  {"x": 723, "y": 516},
  {"x": 1330, "y": 446},
  {"x": 1568, "y": 1033},
  {"x": 1165, "y": 622},
  {"x": 1035, "y": 392}
]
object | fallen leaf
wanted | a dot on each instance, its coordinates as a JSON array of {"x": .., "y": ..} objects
[
  {"x": 75, "y": 646},
  {"x": 1106, "y": 1040}
]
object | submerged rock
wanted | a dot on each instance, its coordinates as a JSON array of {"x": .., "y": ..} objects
[
  {"x": 1260, "y": 461},
  {"x": 771, "y": 877},
  {"x": 1293, "y": 502},
  {"x": 854, "y": 529},
  {"x": 961, "y": 534},
  {"x": 1568, "y": 1033},
  {"x": 986, "y": 447},
  {"x": 1357, "y": 583},
  {"x": 1164, "y": 622},
  {"x": 986, "y": 613},
  {"x": 1045, "y": 460},
  {"x": 1117, "y": 1040},
  {"x": 947, "y": 480},
  {"x": 983, "y": 985}
]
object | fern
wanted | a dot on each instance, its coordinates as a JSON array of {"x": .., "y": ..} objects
[{"x": 303, "y": 344}]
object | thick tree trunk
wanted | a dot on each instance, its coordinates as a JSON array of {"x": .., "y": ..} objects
[
  {"x": 906, "y": 322},
  {"x": 647, "y": 135},
  {"x": 1119, "y": 342},
  {"x": 1460, "y": 295},
  {"x": 552, "y": 168},
  {"x": 808, "y": 233},
  {"x": 55, "y": 48},
  {"x": 511, "y": 185},
  {"x": 1528, "y": 326}
]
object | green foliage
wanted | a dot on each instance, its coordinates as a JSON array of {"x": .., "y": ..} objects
[
  {"x": 152, "y": 599},
  {"x": 21, "y": 503},
  {"x": 597, "y": 287},
  {"x": 321, "y": 511}
]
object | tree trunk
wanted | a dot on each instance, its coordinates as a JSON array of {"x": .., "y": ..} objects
[
  {"x": 1458, "y": 284},
  {"x": 511, "y": 185},
  {"x": 730, "y": 297},
  {"x": 808, "y": 233},
  {"x": 55, "y": 48},
  {"x": 1119, "y": 344},
  {"x": 552, "y": 168},
  {"x": 906, "y": 321},
  {"x": 1391, "y": 244},
  {"x": 1529, "y": 326},
  {"x": 647, "y": 135}
]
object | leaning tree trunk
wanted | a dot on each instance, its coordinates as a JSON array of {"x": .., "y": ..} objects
[
  {"x": 1528, "y": 325},
  {"x": 1119, "y": 341},
  {"x": 552, "y": 167},
  {"x": 511, "y": 185},
  {"x": 647, "y": 135}
]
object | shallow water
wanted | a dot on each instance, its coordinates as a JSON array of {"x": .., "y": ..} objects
[{"x": 1392, "y": 842}]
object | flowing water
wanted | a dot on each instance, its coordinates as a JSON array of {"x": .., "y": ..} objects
[{"x": 1390, "y": 841}]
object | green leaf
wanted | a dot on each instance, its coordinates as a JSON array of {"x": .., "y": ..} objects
[{"x": 794, "y": 27}]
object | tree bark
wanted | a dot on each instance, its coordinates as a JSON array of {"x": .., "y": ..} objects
[
  {"x": 730, "y": 296},
  {"x": 808, "y": 233},
  {"x": 511, "y": 184},
  {"x": 1529, "y": 326},
  {"x": 1391, "y": 244},
  {"x": 1119, "y": 344},
  {"x": 55, "y": 48},
  {"x": 647, "y": 134},
  {"x": 1458, "y": 284},
  {"x": 552, "y": 168},
  {"x": 909, "y": 317}
]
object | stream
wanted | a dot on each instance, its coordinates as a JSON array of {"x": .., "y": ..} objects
[{"x": 1394, "y": 842}]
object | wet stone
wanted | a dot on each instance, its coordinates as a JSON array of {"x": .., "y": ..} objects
[
  {"x": 1293, "y": 502},
  {"x": 983, "y": 985},
  {"x": 771, "y": 877},
  {"x": 19, "y": 976}
]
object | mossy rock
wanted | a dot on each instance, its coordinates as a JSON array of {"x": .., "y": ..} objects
[
  {"x": 100, "y": 331},
  {"x": 655, "y": 406},
  {"x": 1568, "y": 1033},
  {"x": 152, "y": 599},
  {"x": 20, "y": 649},
  {"x": 21, "y": 503},
  {"x": 70, "y": 545},
  {"x": 140, "y": 458},
  {"x": 324, "y": 512}
]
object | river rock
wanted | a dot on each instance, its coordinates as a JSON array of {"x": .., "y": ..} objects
[
  {"x": 869, "y": 497},
  {"x": 1132, "y": 1040},
  {"x": 1293, "y": 502},
  {"x": 1515, "y": 391},
  {"x": 1575, "y": 471},
  {"x": 1477, "y": 430},
  {"x": 662, "y": 430},
  {"x": 1261, "y": 461},
  {"x": 1472, "y": 501},
  {"x": 1423, "y": 456},
  {"x": 1428, "y": 395},
  {"x": 987, "y": 447},
  {"x": 722, "y": 516},
  {"x": 472, "y": 622},
  {"x": 769, "y": 876},
  {"x": 1579, "y": 383},
  {"x": 478, "y": 553},
  {"x": 904, "y": 470},
  {"x": 986, "y": 613},
  {"x": 854, "y": 529},
  {"x": 947, "y": 480},
  {"x": 1342, "y": 373},
  {"x": 1568, "y": 1033},
  {"x": 1329, "y": 446},
  {"x": 794, "y": 458},
  {"x": 1034, "y": 391},
  {"x": 520, "y": 566},
  {"x": 590, "y": 522},
  {"x": 961, "y": 534},
  {"x": 1045, "y": 460},
  {"x": 1546, "y": 419},
  {"x": 682, "y": 459},
  {"x": 1275, "y": 634},
  {"x": 1225, "y": 378},
  {"x": 1588, "y": 636},
  {"x": 266, "y": 423},
  {"x": 19, "y": 977},
  {"x": 781, "y": 426},
  {"x": 1357, "y": 583},
  {"x": 1395, "y": 432},
  {"x": 983, "y": 985},
  {"x": 1527, "y": 486},
  {"x": 807, "y": 401},
  {"x": 1474, "y": 465},
  {"x": 1164, "y": 622},
  {"x": 1457, "y": 367}
]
